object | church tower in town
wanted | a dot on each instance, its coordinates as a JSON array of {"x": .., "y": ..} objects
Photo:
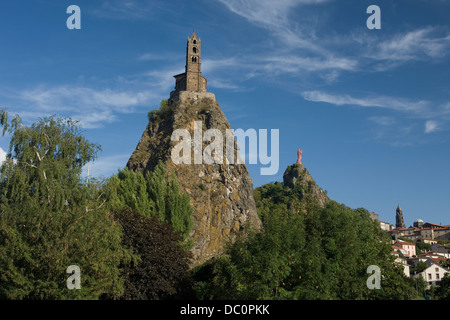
[{"x": 399, "y": 222}]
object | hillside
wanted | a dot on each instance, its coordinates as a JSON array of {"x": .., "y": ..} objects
[{"x": 221, "y": 194}]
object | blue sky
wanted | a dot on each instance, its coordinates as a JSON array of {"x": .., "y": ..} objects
[{"x": 370, "y": 108}]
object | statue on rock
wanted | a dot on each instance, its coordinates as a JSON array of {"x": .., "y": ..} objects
[{"x": 299, "y": 154}]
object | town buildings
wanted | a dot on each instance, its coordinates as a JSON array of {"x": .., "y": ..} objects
[{"x": 434, "y": 262}]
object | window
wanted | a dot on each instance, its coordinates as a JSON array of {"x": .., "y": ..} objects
[
  {"x": 436, "y": 269},
  {"x": 429, "y": 276},
  {"x": 437, "y": 276},
  {"x": 194, "y": 59},
  {"x": 194, "y": 42},
  {"x": 194, "y": 49}
]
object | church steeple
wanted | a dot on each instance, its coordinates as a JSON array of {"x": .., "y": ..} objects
[{"x": 399, "y": 221}]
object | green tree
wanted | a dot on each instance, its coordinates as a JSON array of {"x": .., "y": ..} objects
[
  {"x": 161, "y": 270},
  {"x": 130, "y": 189},
  {"x": 422, "y": 247},
  {"x": 419, "y": 267},
  {"x": 420, "y": 285},
  {"x": 154, "y": 194},
  {"x": 443, "y": 290},
  {"x": 305, "y": 252},
  {"x": 49, "y": 220},
  {"x": 158, "y": 115},
  {"x": 445, "y": 263}
]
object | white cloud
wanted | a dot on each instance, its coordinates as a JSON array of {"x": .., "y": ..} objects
[
  {"x": 274, "y": 16},
  {"x": 418, "y": 107},
  {"x": 165, "y": 56},
  {"x": 294, "y": 64},
  {"x": 355, "y": 52},
  {"x": 266, "y": 12},
  {"x": 404, "y": 131},
  {"x": 211, "y": 65},
  {"x": 65, "y": 97},
  {"x": 91, "y": 107},
  {"x": 413, "y": 45},
  {"x": 2, "y": 155},
  {"x": 431, "y": 126},
  {"x": 423, "y": 44},
  {"x": 383, "y": 120},
  {"x": 127, "y": 9},
  {"x": 222, "y": 84}
]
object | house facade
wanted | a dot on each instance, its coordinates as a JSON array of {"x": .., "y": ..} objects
[
  {"x": 433, "y": 274},
  {"x": 409, "y": 247}
]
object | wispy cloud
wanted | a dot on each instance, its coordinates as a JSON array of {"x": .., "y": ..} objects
[
  {"x": 127, "y": 9},
  {"x": 413, "y": 45},
  {"x": 356, "y": 51},
  {"x": 275, "y": 17},
  {"x": 93, "y": 103},
  {"x": 431, "y": 126},
  {"x": 422, "y": 44},
  {"x": 294, "y": 64},
  {"x": 165, "y": 56},
  {"x": 294, "y": 49},
  {"x": 400, "y": 128},
  {"x": 394, "y": 103},
  {"x": 383, "y": 120},
  {"x": 266, "y": 12},
  {"x": 90, "y": 106}
]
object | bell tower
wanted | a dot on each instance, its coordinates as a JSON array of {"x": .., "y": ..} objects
[
  {"x": 193, "y": 54},
  {"x": 399, "y": 221},
  {"x": 192, "y": 79}
]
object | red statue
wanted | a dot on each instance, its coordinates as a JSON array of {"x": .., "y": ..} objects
[{"x": 299, "y": 154}]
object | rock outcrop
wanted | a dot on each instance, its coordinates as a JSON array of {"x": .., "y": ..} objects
[
  {"x": 298, "y": 177},
  {"x": 221, "y": 193}
]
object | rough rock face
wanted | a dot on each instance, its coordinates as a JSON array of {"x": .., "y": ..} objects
[
  {"x": 297, "y": 176},
  {"x": 221, "y": 193}
]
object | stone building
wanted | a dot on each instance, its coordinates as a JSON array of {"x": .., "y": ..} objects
[
  {"x": 418, "y": 223},
  {"x": 399, "y": 221},
  {"x": 383, "y": 225},
  {"x": 191, "y": 80}
]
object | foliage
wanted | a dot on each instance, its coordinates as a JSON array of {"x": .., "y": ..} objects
[
  {"x": 158, "y": 115},
  {"x": 419, "y": 267},
  {"x": 445, "y": 263},
  {"x": 162, "y": 269},
  {"x": 274, "y": 197},
  {"x": 422, "y": 247},
  {"x": 305, "y": 252},
  {"x": 264, "y": 266},
  {"x": 129, "y": 189},
  {"x": 154, "y": 194},
  {"x": 443, "y": 290},
  {"x": 49, "y": 220},
  {"x": 421, "y": 286}
]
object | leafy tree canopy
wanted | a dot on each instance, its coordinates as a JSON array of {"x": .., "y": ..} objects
[
  {"x": 161, "y": 271},
  {"x": 305, "y": 252},
  {"x": 155, "y": 194},
  {"x": 50, "y": 220}
]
